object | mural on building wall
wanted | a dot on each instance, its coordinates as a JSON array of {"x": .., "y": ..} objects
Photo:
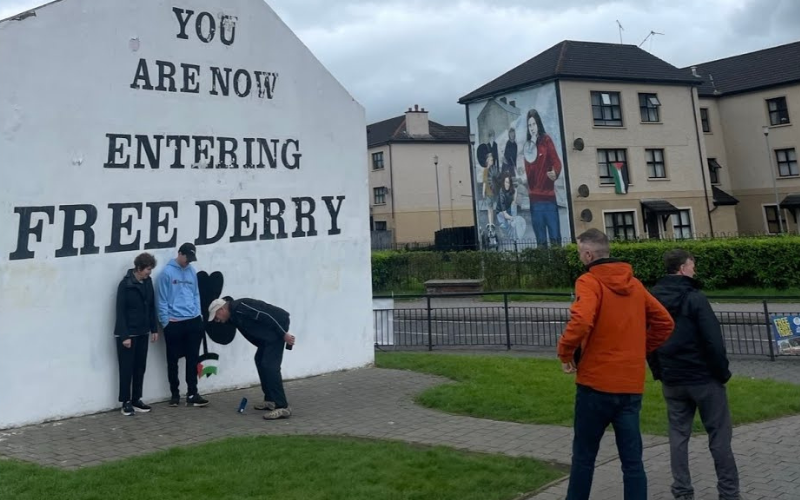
[{"x": 520, "y": 184}]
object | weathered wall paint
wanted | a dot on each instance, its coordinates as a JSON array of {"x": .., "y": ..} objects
[{"x": 132, "y": 126}]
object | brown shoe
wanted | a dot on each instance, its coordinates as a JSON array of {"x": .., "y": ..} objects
[
  {"x": 278, "y": 413},
  {"x": 265, "y": 406}
]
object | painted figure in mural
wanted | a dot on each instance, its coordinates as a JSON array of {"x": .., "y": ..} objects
[
  {"x": 135, "y": 327},
  {"x": 491, "y": 171},
  {"x": 507, "y": 206},
  {"x": 267, "y": 327},
  {"x": 492, "y": 143},
  {"x": 180, "y": 315},
  {"x": 510, "y": 154},
  {"x": 542, "y": 168}
]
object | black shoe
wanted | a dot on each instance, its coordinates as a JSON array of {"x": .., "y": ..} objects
[
  {"x": 127, "y": 409},
  {"x": 140, "y": 407},
  {"x": 196, "y": 400},
  {"x": 175, "y": 401}
]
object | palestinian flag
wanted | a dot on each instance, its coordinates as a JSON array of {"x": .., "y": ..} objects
[
  {"x": 207, "y": 365},
  {"x": 620, "y": 174}
]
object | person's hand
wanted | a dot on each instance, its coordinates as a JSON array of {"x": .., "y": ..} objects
[
  {"x": 288, "y": 338},
  {"x": 154, "y": 337},
  {"x": 569, "y": 367},
  {"x": 127, "y": 343},
  {"x": 551, "y": 175}
]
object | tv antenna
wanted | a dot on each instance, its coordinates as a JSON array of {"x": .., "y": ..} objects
[
  {"x": 621, "y": 29},
  {"x": 651, "y": 36}
]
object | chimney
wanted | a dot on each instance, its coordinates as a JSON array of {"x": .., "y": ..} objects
[
  {"x": 417, "y": 122},
  {"x": 694, "y": 72}
]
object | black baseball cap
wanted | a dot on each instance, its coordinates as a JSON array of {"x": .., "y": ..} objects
[{"x": 189, "y": 251}]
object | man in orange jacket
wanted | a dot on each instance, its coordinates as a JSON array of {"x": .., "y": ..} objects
[{"x": 614, "y": 323}]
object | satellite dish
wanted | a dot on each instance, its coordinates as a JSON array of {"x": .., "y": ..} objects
[
  {"x": 578, "y": 144},
  {"x": 586, "y": 215},
  {"x": 583, "y": 191}
]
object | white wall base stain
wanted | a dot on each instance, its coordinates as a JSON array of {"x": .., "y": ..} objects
[{"x": 57, "y": 304}]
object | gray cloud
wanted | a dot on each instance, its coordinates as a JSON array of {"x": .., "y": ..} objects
[{"x": 391, "y": 54}]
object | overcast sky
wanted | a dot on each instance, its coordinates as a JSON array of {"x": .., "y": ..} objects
[{"x": 391, "y": 54}]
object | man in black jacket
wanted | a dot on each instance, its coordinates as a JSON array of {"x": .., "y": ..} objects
[
  {"x": 693, "y": 368},
  {"x": 266, "y": 327}
]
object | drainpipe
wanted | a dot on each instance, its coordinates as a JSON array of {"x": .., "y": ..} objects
[
  {"x": 702, "y": 166},
  {"x": 391, "y": 194}
]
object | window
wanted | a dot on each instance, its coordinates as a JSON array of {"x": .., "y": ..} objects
[
  {"x": 621, "y": 225},
  {"x": 713, "y": 170},
  {"x": 648, "y": 105},
  {"x": 787, "y": 162},
  {"x": 705, "y": 121},
  {"x": 606, "y": 109},
  {"x": 380, "y": 225},
  {"x": 607, "y": 160},
  {"x": 656, "y": 169},
  {"x": 771, "y": 215},
  {"x": 778, "y": 112},
  {"x": 379, "y": 195},
  {"x": 377, "y": 161},
  {"x": 682, "y": 224}
]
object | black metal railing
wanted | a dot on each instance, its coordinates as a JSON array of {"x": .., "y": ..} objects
[{"x": 437, "y": 324}]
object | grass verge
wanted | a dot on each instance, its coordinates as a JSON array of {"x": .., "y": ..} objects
[
  {"x": 531, "y": 390},
  {"x": 301, "y": 468}
]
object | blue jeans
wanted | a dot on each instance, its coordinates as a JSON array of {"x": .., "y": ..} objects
[
  {"x": 544, "y": 219},
  {"x": 594, "y": 411}
]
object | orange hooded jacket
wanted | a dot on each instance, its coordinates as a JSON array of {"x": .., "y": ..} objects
[{"x": 616, "y": 322}]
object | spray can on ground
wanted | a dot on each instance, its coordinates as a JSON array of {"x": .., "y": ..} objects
[{"x": 242, "y": 405}]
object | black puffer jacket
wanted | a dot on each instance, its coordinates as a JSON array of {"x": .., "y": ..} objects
[
  {"x": 695, "y": 353},
  {"x": 136, "y": 307}
]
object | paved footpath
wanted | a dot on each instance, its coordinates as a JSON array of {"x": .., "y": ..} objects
[{"x": 376, "y": 403}]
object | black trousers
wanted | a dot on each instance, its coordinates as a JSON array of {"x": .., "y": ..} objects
[
  {"x": 183, "y": 339},
  {"x": 268, "y": 363},
  {"x": 132, "y": 364}
]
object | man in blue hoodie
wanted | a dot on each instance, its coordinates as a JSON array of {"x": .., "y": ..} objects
[{"x": 180, "y": 316}]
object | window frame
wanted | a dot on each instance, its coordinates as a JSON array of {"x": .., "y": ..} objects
[
  {"x": 682, "y": 226},
  {"x": 778, "y": 213},
  {"x": 653, "y": 163},
  {"x": 377, "y": 161},
  {"x": 705, "y": 120},
  {"x": 383, "y": 223},
  {"x": 608, "y": 163},
  {"x": 600, "y": 107},
  {"x": 779, "y": 111},
  {"x": 647, "y": 107},
  {"x": 787, "y": 162},
  {"x": 713, "y": 172},
  {"x": 379, "y": 192},
  {"x": 613, "y": 230}
]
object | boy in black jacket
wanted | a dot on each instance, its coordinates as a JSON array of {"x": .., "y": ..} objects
[
  {"x": 693, "y": 368},
  {"x": 266, "y": 327}
]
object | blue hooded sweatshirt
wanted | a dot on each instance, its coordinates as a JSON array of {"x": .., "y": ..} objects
[{"x": 178, "y": 295}]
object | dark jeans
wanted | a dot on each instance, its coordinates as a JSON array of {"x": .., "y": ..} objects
[
  {"x": 712, "y": 401},
  {"x": 268, "y": 363},
  {"x": 544, "y": 219},
  {"x": 183, "y": 339},
  {"x": 132, "y": 364},
  {"x": 594, "y": 411}
]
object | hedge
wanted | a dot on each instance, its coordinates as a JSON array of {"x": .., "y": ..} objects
[{"x": 767, "y": 262}]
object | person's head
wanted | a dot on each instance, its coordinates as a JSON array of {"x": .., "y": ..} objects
[
  {"x": 219, "y": 311},
  {"x": 512, "y": 135},
  {"x": 679, "y": 262},
  {"x": 187, "y": 254},
  {"x": 535, "y": 127},
  {"x": 485, "y": 156},
  {"x": 593, "y": 245},
  {"x": 507, "y": 181},
  {"x": 143, "y": 265}
]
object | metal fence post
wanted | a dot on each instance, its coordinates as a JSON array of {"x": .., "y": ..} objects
[
  {"x": 430, "y": 326},
  {"x": 508, "y": 325},
  {"x": 769, "y": 331}
]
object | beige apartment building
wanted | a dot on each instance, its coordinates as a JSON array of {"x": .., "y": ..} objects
[
  {"x": 627, "y": 132},
  {"x": 748, "y": 105},
  {"x": 419, "y": 180}
]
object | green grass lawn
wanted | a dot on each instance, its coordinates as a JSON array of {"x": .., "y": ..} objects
[
  {"x": 301, "y": 468},
  {"x": 532, "y": 390}
]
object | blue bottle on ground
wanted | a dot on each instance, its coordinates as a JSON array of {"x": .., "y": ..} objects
[{"x": 242, "y": 405}]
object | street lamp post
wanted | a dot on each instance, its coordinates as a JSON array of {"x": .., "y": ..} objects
[
  {"x": 774, "y": 175},
  {"x": 438, "y": 200}
]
